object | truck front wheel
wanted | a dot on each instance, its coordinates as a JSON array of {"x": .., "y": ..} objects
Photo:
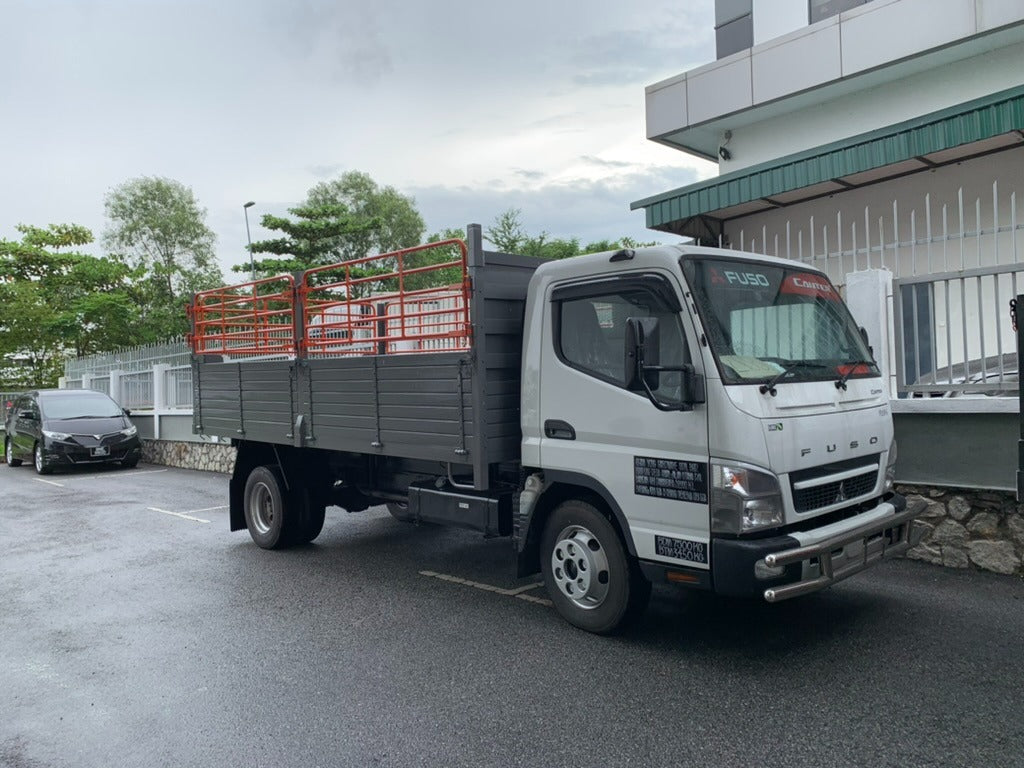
[
  {"x": 588, "y": 573},
  {"x": 265, "y": 513}
]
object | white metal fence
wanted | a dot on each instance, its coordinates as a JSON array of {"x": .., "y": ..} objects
[
  {"x": 956, "y": 266},
  {"x": 153, "y": 376}
]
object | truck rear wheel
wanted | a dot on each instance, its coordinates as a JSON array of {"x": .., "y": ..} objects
[
  {"x": 592, "y": 581},
  {"x": 265, "y": 514}
]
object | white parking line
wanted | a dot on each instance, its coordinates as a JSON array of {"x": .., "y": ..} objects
[
  {"x": 207, "y": 509},
  {"x": 182, "y": 515},
  {"x": 48, "y": 482},
  {"x": 518, "y": 592},
  {"x": 106, "y": 476}
]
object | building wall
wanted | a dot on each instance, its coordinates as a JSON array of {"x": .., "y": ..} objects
[{"x": 867, "y": 110}]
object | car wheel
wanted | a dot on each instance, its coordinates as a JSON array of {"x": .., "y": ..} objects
[
  {"x": 130, "y": 463},
  {"x": 42, "y": 465},
  {"x": 590, "y": 577},
  {"x": 267, "y": 516},
  {"x": 9, "y": 454}
]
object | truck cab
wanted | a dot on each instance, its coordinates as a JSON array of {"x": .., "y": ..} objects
[{"x": 719, "y": 412}]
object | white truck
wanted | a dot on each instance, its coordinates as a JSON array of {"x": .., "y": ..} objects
[{"x": 700, "y": 416}]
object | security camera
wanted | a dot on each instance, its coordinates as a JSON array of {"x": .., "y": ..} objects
[{"x": 724, "y": 153}]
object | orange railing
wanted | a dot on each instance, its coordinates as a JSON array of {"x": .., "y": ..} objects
[
  {"x": 388, "y": 303},
  {"x": 254, "y": 318},
  {"x": 391, "y": 303}
]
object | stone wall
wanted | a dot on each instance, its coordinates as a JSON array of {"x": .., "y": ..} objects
[
  {"x": 209, "y": 457},
  {"x": 970, "y": 529}
]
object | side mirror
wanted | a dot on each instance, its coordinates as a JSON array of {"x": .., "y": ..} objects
[
  {"x": 643, "y": 351},
  {"x": 126, "y": 412}
]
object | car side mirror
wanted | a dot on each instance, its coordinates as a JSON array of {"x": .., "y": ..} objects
[{"x": 126, "y": 412}]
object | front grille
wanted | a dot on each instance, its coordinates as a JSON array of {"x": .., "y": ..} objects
[{"x": 836, "y": 492}]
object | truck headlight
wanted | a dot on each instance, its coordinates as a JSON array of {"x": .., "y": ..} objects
[
  {"x": 743, "y": 499},
  {"x": 890, "y": 468}
]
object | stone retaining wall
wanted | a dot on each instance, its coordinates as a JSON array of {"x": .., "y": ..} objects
[
  {"x": 970, "y": 529},
  {"x": 209, "y": 457},
  {"x": 963, "y": 528}
]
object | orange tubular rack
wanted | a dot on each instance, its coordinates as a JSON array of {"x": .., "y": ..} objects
[
  {"x": 408, "y": 301},
  {"x": 254, "y": 318}
]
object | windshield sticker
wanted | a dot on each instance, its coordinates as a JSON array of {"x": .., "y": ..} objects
[
  {"x": 808, "y": 284},
  {"x": 735, "y": 277}
]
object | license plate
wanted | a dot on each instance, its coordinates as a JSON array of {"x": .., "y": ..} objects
[{"x": 101, "y": 451}]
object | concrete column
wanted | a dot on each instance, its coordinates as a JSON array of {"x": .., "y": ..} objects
[
  {"x": 159, "y": 395},
  {"x": 86, "y": 381},
  {"x": 869, "y": 296},
  {"x": 115, "y": 387},
  {"x": 62, "y": 382}
]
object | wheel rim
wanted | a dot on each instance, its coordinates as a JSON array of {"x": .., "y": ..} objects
[
  {"x": 261, "y": 507},
  {"x": 580, "y": 567},
  {"x": 39, "y": 457}
]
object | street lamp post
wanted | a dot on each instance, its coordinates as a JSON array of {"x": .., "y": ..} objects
[{"x": 252, "y": 264}]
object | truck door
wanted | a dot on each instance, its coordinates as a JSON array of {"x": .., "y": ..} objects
[{"x": 653, "y": 463}]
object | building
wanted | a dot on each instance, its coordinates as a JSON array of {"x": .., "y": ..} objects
[{"x": 881, "y": 141}]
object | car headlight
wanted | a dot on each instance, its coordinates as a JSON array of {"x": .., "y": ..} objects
[
  {"x": 56, "y": 435},
  {"x": 130, "y": 432},
  {"x": 743, "y": 499},
  {"x": 890, "y": 467}
]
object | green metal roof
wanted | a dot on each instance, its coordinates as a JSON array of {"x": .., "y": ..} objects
[{"x": 966, "y": 123}]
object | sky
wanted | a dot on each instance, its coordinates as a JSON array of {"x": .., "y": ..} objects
[{"x": 470, "y": 107}]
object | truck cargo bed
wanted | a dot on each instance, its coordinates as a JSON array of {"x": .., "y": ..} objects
[{"x": 458, "y": 407}]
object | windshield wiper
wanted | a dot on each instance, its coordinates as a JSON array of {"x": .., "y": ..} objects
[
  {"x": 768, "y": 388},
  {"x": 851, "y": 365}
]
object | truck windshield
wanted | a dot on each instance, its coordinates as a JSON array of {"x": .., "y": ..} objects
[{"x": 772, "y": 323}]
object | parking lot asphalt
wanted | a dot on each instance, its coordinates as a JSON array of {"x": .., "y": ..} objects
[{"x": 135, "y": 630}]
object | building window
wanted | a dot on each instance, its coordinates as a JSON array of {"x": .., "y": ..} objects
[
  {"x": 823, "y": 9},
  {"x": 737, "y": 35}
]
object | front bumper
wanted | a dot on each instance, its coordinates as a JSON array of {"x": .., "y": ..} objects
[
  {"x": 69, "y": 453},
  {"x": 820, "y": 560}
]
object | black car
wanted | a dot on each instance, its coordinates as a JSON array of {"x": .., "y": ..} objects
[{"x": 66, "y": 427}]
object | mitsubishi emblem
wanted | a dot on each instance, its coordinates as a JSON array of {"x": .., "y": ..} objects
[
  {"x": 98, "y": 437},
  {"x": 842, "y": 493}
]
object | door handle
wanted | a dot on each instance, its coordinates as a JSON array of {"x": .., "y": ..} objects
[{"x": 559, "y": 430}]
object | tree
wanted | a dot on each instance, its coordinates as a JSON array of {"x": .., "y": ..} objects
[
  {"x": 309, "y": 240},
  {"x": 507, "y": 234},
  {"x": 157, "y": 225},
  {"x": 58, "y": 301},
  {"x": 399, "y": 224}
]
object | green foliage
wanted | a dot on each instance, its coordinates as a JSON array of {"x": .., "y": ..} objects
[
  {"x": 507, "y": 234},
  {"x": 60, "y": 302},
  {"x": 398, "y": 223},
  {"x": 309, "y": 240},
  {"x": 157, "y": 226}
]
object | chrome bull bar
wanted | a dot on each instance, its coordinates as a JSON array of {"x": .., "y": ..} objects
[{"x": 888, "y": 537}]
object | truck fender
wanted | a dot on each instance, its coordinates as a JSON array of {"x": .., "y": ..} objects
[{"x": 558, "y": 486}]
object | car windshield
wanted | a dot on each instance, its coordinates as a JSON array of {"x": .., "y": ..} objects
[
  {"x": 772, "y": 323},
  {"x": 79, "y": 406}
]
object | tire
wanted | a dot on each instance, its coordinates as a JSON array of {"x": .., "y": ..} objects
[
  {"x": 42, "y": 465},
  {"x": 9, "y": 454},
  {"x": 130, "y": 463},
  {"x": 309, "y": 521},
  {"x": 266, "y": 514},
  {"x": 593, "y": 582}
]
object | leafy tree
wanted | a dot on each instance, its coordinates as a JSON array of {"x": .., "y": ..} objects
[
  {"x": 156, "y": 225},
  {"x": 58, "y": 301},
  {"x": 399, "y": 224},
  {"x": 508, "y": 234},
  {"x": 310, "y": 239}
]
